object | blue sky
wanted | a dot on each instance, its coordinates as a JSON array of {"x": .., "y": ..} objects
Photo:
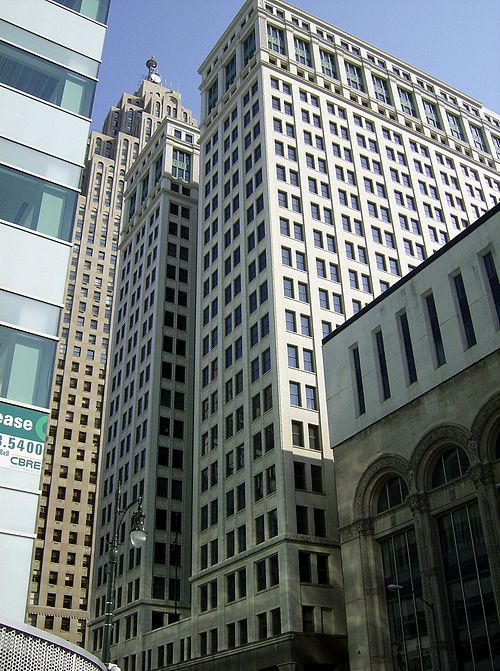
[{"x": 454, "y": 40}]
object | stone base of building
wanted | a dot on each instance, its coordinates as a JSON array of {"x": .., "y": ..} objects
[{"x": 290, "y": 652}]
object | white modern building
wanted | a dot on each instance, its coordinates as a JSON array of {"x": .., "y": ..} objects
[
  {"x": 328, "y": 170},
  {"x": 49, "y": 58},
  {"x": 413, "y": 397}
]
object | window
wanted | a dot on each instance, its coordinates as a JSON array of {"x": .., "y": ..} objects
[
  {"x": 275, "y": 39},
  {"x": 465, "y": 314},
  {"x": 408, "y": 348},
  {"x": 328, "y": 66},
  {"x": 431, "y": 114},
  {"x": 381, "y": 89},
  {"x": 354, "y": 76},
  {"x": 295, "y": 394},
  {"x": 359, "y": 381},
  {"x": 45, "y": 80},
  {"x": 468, "y": 581},
  {"x": 212, "y": 96},
  {"x": 25, "y": 367},
  {"x": 435, "y": 330},
  {"x": 456, "y": 127},
  {"x": 302, "y": 51},
  {"x": 248, "y": 47},
  {"x": 386, "y": 390},
  {"x": 491, "y": 273},
  {"x": 181, "y": 165},
  {"x": 407, "y": 101},
  {"x": 297, "y": 434},
  {"x": 453, "y": 463}
]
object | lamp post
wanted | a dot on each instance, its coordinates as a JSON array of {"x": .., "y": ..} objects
[
  {"x": 398, "y": 588},
  {"x": 138, "y": 536}
]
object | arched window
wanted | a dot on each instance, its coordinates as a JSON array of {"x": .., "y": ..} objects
[
  {"x": 452, "y": 464},
  {"x": 157, "y": 109},
  {"x": 98, "y": 145},
  {"x": 392, "y": 494},
  {"x": 124, "y": 156},
  {"x": 129, "y": 121},
  {"x": 108, "y": 149},
  {"x": 149, "y": 128}
]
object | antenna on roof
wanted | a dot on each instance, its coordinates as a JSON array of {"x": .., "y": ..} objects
[{"x": 152, "y": 75}]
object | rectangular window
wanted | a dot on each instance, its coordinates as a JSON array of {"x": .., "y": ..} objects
[
  {"x": 407, "y": 102},
  {"x": 275, "y": 39},
  {"x": 478, "y": 137},
  {"x": 212, "y": 97},
  {"x": 359, "y": 381},
  {"x": 382, "y": 362},
  {"x": 408, "y": 347},
  {"x": 491, "y": 273},
  {"x": 354, "y": 76},
  {"x": 465, "y": 314},
  {"x": 181, "y": 165},
  {"x": 248, "y": 47},
  {"x": 431, "y": 114},
  {"x": 37, "y": 204},
  {"x": 456, "y": 126},
  {"x": 435, "y": 330},
  {"x": 302, "y": 51},
  {"x": 328, "y": 66},
  {"x": 25, "y": 367},
  {"x": 45, "y": 80},
  {"x": 230, "y": 71},
  {"x": 381, "y": 90}
]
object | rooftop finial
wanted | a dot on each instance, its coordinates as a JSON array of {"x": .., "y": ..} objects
[{"x": 152, "y": 75}]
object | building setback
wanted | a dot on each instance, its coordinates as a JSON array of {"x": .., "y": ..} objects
[
  {"x": 49, "y": 59},
  {"x": 60, "y": 590},
  {"x": 328, "y": 169},
  {"x": 418, "y": 508}
]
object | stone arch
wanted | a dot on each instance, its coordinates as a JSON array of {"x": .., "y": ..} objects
[
  {"x": 369, "y": 481},
  {"x": 430, "y": 446},
  {"x": 485, "y": 429}
]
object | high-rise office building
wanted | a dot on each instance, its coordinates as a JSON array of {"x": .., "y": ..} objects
[
  {"x": 60, "y": 585},
  {"x": 149, "y": 435},
  {"x": 49, "y": 58},
  {"x": 328, "y": 169}
]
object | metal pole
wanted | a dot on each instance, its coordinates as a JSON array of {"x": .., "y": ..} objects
[
  {"x": 110, "y": 585},
  {"x": 430, "y": 606},
  {"x": 176, "y": 543}
]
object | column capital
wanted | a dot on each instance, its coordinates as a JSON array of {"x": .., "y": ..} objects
[
  {"x": 360, "y": 527},
  {"x": 417, "y": 502}
]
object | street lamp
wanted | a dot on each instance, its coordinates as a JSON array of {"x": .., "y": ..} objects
[
  {"x": 138, "y": 536},
  {"x": 393, "y": 587}
]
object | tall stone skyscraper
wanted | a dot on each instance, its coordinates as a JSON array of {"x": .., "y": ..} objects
[
  {"x": 60, "y": 582},
  {"x": 329, "y": 169},
  {"x": 49, "y": 60},
  {"x": 149, "y": 434}
]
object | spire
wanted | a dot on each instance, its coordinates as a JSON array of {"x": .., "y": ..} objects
[{"x": 152, "y": 75}]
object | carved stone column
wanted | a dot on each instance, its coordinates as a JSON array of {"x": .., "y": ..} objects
[
  {"x": 482, "y": 477},
  {"x": 366, "y": 644},
  {"x": 419, "y": 505}
]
